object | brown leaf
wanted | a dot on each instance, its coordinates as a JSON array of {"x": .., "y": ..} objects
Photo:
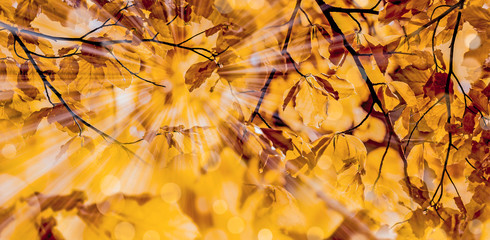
[
  {"x": 61, "y": 115},
  {"x": 229, "y": 36},
  {"x": 32, "y": 122},
  {"x": 482, "y": 194},
  {"x": 58, "y": 202},
  {"x": 202, "y": 7},
  {"x": 198, "y": 73},
  {"x": 419, "y": 194},
  {"x": 57, "y": 12},
  {"x": 435, "y": 86},
  {"x": 469, "y": 122},
  {"x": 145, "y": 4},
  {"x": 46, "y": 229},
  {"x": 440, "y": 57},
  {"x": 337, "y": 50},
  {"x": 460, "y": 204},
  {"x": 25, "y": 12},
  {"x": 478, "y": 17},
  {"x": 66, "y": 50},
  {"x": 216, "y": 29},
  {"x": 278, "y": 139},
  {"x": 293, "y": 92},
  {"x": 393, "y": 10},
  {"x": 381, "y": 52},
  {"x": 380, "y": 57},
  {"x": 68, "y": 69},
  {"x": 327, "y": 87},
  {"x": 133, "y": 23},
  {"x": 6, "y": 96},
  {"x": 94, "y": 54},
  {"x": 480, "y": 95},
  {"x": 23, "y": 82},
  {"x": 184, "y": 13}
]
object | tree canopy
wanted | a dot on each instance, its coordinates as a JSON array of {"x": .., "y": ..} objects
[{"x": 244, "y": 119}]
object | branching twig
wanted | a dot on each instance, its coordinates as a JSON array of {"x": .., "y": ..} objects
[
  {"x": 131, "y": 72},
  {"x": 362, "y": 122},
  {"x": 448, "y": 106},
  {"x": 105, "y": 23},
  {"x": 106, "y": 43},
  {"x": 284, "y": 50},
  {"x": 75, "y": 116},
  {"x": 327, "y": 10},
  {"x": 416, "y": 32},
  {"x": 382, "y": 160},
  {"x": 418, "y": 121},
  {"x": 264, "y": 91},
  {"x": 306, "y": 15}
]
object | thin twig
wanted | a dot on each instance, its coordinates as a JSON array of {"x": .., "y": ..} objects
[
  {"x": 263, "y": 90},
  {"x": 75, "y": 116},
  {"x": 363, "y": 120},
  {"x": 131, "y": 72},
  {"x": 382, "y": 160}
]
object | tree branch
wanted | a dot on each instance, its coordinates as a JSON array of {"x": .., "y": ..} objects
[
  {"x": 75, "y": 116},
  {"x": 264, "y": 91},
  {"x": 326, "y": 9},
  {"x": 434, "y": 20},
  {"x": 448, "y": 106}
]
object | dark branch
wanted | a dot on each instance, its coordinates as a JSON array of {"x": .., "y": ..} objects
[
  {"x": 330, "y": 9},
  {"x": 131, "y": 72},
  {"x": 264, "y": 91},
  {"x": 416, "y": 32},
  {"x": 327, "y": 9},
  {"x": 363, "y": 120},
  {"x": 417, "y": 123},
  {"x": 448, "y": 106},
  {"x": 382, "y": 160},
  {"x": 75, "y": 116}
]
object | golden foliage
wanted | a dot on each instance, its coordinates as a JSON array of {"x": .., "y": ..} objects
[{"x": 221, "y": 119}]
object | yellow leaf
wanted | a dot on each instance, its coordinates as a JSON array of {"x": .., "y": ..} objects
[
  {"x": 311, "y": 104},
  {"x": 300, "y": 45},
  {"x": 405, "y": 92}
]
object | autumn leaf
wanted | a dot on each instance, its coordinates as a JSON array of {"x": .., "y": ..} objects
[
  {"x": 311, "y": 103},
  {"x": 26, "y": 11},
  {"x": 278, "y": 139},
  {"x": 327, "y": 87},
  {"x": 300, "y": 47},
  {"x": 388, "y": 99},
  {"x": 381, "y": 52},
  {"x": 477, "y": 17},
  {"x": 202, "y": 8},
  {"x": 32, "y": 122},
  {"x": 291, "y": 96},
  {"x": 68, "y": 69},
  {"x": 197, "y": 74},
  {"x": 337, "y": 50},
  {"x": 313, "y": 119},
  {"x": 404, "y": 91},
  {"x": 94, "y": 54},
  {"x": 435, "y": 86}
]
